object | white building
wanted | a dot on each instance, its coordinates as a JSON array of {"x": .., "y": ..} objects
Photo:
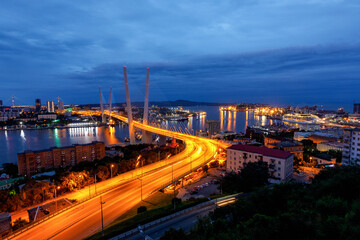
[
  {"x": 351, "y": 150},
  {"x": 47, "y": 116},
  {"x": 280, "y": 162},
  {"x": 326, "y": 146},
  {"x": 50, "y": 106}
]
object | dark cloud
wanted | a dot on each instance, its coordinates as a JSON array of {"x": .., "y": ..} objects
[
  {"x": 297, "y": 75},
  {"x": 275, "y": 50}
]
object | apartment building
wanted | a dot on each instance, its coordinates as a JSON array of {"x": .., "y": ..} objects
[
  {"x": 351, "y": 149},
  {"x": 280, "y": 162},
  {"x": 31, "y": 162}
]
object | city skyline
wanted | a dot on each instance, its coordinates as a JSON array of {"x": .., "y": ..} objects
[{"x": 276, "y": 52}]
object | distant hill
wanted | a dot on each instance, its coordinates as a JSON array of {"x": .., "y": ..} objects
[{"x": 183, "y": 103}]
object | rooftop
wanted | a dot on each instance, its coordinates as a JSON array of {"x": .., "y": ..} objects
[
  {"x": 286, "y": 144},
  {"x": 324, "y": 156},
  {"x": 65, "y": 147},
  {"x": 262, "y": 150}
]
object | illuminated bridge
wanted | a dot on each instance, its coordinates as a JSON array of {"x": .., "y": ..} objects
[{"x": 128, "y": 189}]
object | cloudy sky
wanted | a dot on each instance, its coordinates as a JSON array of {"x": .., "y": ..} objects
[{"x": 271, "y": 51}]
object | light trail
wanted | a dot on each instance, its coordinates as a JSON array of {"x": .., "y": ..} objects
[{"x": 84, "y": 219}]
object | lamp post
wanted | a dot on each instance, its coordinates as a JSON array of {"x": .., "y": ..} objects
[
  {"x": 102, "y": 216},
  {"x": 95, "y": 183},
  {"x": 58, "y": 187},
  {"x": 141, "y": 196},
  {"x": 111, "y": 167},
  {"x": 167, "y": 157},
  {"x": 89, "y": 186}
]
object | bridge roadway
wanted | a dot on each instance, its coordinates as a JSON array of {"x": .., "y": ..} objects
[{"x": 85, "y": 219}]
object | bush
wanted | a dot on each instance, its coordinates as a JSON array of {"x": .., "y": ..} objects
[
  {"x": 19, "y": 223},
  {"x": 141, "y": 209}
]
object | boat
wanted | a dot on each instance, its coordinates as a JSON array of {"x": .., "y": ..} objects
[{"x": 302, "y": 118}]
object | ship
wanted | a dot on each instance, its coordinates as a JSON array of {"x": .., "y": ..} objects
[{"x": 302, "y": 118}]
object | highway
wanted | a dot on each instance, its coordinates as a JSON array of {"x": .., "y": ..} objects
[{"x": 84, "y": 220}]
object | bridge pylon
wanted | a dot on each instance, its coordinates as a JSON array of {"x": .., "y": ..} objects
[
  {"x": 129, "y": 109},
  {"x": 110, "y": 102},
  {"x": 101, "y": 107},
  {"x": 146, "y": 136}
]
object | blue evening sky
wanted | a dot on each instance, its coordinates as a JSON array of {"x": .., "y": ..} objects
[{"x": 271, "y": 51}]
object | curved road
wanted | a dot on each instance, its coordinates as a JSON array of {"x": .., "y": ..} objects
[{"x": 84, "y": 219}]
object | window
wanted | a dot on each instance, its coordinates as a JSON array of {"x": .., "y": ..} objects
[
  {"x": 279, "y": 162},
  {"x": 279, "y": 168}
]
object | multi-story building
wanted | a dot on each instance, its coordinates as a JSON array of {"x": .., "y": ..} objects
[
  {"x": 8, "y": 113},
  {"x": 50, "y": 106},
  {"x": 285, "y": 144},
  {"x": 212, "y": 126},
  {"x": 49, "y": 116},
  {"x": 60, "y": 105},
  {"x": 326, "y": 146},
  {"x": 323, "y": 159},
  {"x": 31, "y": 162},
  {"x": 280, "y": 162},
  {"x": 351, "y": 149},
  {"x": 37, "y": 105},
  {"x": 294, "y": 147},
  {"x": 357, "y": 108}
]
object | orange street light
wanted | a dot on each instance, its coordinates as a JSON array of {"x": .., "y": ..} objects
[{"x": 111, "y": 167}]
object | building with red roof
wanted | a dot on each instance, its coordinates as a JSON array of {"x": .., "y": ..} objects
[{"x": 280, "y": 162}]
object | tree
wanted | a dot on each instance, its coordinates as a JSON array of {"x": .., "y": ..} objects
[
  {"x": 102, "y": 172},
  {"x": 252, "y": 176},
  {"x": 11, "y": 169},
  {"x": 141, "y": 209},
  {"x": 19, "y": 223}
]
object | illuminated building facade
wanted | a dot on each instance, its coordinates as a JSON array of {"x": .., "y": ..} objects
[
  {"x": 50, "y": 106},
  {"x": 351, "y": 150},
  {"x": 37, "y": 105},
  {"x": 280, "y": 162},
  {"x": 357, "y": 108},
  {"x": 31, "y": 162}
]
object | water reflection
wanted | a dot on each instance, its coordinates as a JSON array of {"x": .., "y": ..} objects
[
  {"x": 22, "y": 135},
  {"x": 13, "y": 142},
  {"x": 246, "y": 119},
  {"x": 221, "y": 120}
]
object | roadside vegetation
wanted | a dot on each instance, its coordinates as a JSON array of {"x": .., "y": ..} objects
[
  {"x": 329, "y": 208},
  {"x": 29, "y": 192}
]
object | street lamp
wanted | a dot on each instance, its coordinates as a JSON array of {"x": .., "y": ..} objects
[
  {"x": 111, "y": 167},
  {"x": 58, "y": 187},
  {"x": 167, "y": 157},
  {"x": 102, "y": 216},
  {"x": 141, "y": 196},
  {"x": 95, "y": 183}
]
